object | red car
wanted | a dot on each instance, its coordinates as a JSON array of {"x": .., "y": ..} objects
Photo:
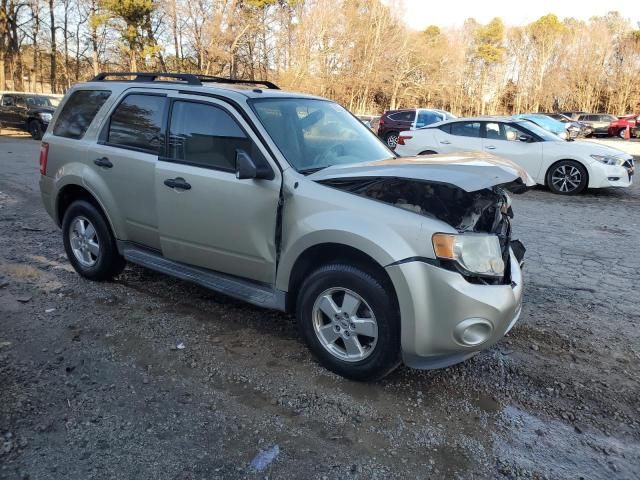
[{"x": 618, "y": 127}]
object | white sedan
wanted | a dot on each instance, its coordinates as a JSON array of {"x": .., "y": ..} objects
[{"x": 565, "y": 167}]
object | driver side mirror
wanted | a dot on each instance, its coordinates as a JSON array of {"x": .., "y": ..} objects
[
  {"x": 524, "y": 138},
  {"x": 246, "y": 168}
]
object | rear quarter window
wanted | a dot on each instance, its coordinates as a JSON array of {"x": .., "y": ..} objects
[{"x": 78, "y": 112}]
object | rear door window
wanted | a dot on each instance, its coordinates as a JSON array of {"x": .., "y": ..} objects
[
  {"x": 78, "y": 113},
  {"x": 466, "y": 129},
  {"x": 137, "y": 123},
  {"x": 446, "y": 128},
  {"x": 407, "y": 116},
  {"x": 205, "y": 135}
]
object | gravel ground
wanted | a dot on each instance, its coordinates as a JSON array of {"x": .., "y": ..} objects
[{"x": 93, "y": 384}]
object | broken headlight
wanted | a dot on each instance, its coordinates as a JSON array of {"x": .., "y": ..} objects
[
  {"x": 608, "y": 160},
  {"x": 476, "y": 253}
]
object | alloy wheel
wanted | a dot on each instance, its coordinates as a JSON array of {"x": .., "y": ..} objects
[
  {"x": 392, "y": 140},
  {"x": 84, "y": 241},
  {"x": 345, "y": 324},
  {"x": 566, "y": 178}
]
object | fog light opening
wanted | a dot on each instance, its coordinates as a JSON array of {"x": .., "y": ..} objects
[
  {"x": 473, "y": 332},
  {"x": 614, "y": 179}
]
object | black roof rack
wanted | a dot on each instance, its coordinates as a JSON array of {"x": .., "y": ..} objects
[{"x": 189, "y": 78}]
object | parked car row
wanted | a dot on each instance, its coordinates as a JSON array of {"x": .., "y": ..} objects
[
  {"x": 31, "y": 112},
  {"x": 567, "y": 125},
  {"x": 567, "y": 168}
]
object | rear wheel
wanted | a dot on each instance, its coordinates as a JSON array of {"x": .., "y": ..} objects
[
  {"x": 350, "y": 322},
  {"x": 392, "y": 139},
  {"x": 567, "y": 177},
  {"x": 89, "y": 243},
  {"x": 35, "y": 129},
  {"x": 622, "y": 132}
]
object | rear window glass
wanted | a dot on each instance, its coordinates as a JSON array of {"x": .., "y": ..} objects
[
  {"x": 407, "y": 116},
  {"x": 137, "y": 123},
  {"x": 466, "y": 129},
  {"x": 78, "y": 112}
]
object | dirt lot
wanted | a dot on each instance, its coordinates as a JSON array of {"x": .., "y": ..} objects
[{"x": 92, "y": 384}]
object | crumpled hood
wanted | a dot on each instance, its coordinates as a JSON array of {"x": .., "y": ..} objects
[{"x": 470, "y": 171}]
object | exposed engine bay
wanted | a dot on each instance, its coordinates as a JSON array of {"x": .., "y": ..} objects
[{"x": 487, "y": 210}]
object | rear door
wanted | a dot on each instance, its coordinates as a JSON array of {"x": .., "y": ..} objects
[
  {"x": 129, "y": 144},
  {"x": 504, "y": 140},
  {"x": 215, "y": 220},
  {"x": 459, "y": 136}
]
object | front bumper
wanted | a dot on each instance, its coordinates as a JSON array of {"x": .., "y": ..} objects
[
  {"x": 438, "y": 307},
  {"x": 603, "y": 176}
]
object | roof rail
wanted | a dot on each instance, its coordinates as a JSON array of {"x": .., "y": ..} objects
[{"x": 189, "y": 78}]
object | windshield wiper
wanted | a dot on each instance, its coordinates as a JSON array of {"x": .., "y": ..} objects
[{"x": 310, "y": 170}]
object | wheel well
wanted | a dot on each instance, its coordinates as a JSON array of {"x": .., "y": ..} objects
[
  {"x": 428, "y": 152},
  {"x": 546, "y": 174},
  {"x": 70, "y": 194},
  {"x": 326, "y": 253}
]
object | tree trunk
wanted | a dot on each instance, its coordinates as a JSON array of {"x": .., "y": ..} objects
[{"x": 53, "y": 60}]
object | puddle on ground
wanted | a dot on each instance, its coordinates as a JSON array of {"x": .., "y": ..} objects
[{"x": 556, "y": 450}]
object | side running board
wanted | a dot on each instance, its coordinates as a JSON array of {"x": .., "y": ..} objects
[{"x": 246, "y": 290}]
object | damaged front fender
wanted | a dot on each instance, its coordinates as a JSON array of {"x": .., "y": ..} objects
[{"x": 483, "y": 211}]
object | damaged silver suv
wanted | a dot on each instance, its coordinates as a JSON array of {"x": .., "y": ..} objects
[{"x": 288, "y": 202}]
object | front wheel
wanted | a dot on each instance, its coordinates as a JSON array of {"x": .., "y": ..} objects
[
  {"x": 89, "y": 243},
  {"x": 622, "y": 132},
  {"x": 350, "y": 322},
  {"x": 567, "y": 177},
  {"x": 35, "y": 129}
]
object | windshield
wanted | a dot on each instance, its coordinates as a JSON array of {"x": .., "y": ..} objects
[
  {"x": 313, "y": 134},
  {"x": 546, "y": 135}
]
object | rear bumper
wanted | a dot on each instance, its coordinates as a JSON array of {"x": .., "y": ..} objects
[
  {"x": 446, "y": 319},
  {"x": 47, "y": 195}
]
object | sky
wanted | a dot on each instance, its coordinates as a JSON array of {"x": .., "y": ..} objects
[{"x": 419, "y": 14}]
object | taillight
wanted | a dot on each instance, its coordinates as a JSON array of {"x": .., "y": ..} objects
[
  {"x": 44, "y": 154},
  {"x": 401, "y": 139},
  {"x": 381, "y": 120}
]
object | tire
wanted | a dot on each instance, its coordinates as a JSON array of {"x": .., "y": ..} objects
[
  {"x": 101, "y": 263},
  {"x": 391, "y": 139},
  {"x": 621, "y": 133},
  {"x": 428, "y": 152},
  {"x": 35, "y": 129},
  {"x": 371, "y": 356},
  {"x": 567, "y": 177}
]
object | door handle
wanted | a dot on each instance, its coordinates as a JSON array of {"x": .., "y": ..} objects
[
  {"x": 103, "y": 162},
  {"x": 490, "y": 147},
  {"x": 445, "y": 142},
  {"x": 179, "y": 182}
]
